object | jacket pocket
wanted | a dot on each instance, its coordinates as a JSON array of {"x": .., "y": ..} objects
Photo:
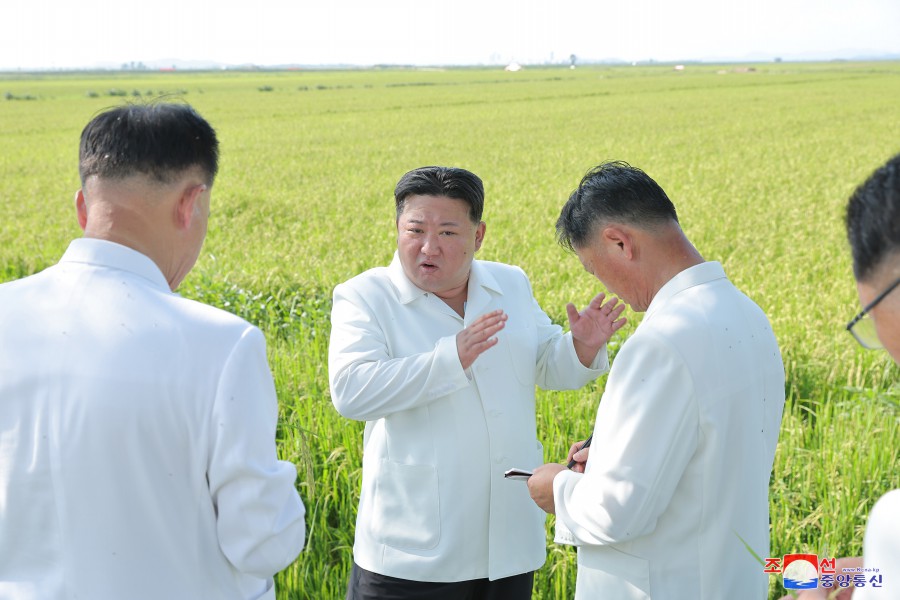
[
  {"x": 608, "y": 572},
  {"x": 407, "y": 510}
]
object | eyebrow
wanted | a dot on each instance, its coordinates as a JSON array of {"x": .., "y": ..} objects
[{"x": 444, "y": 224}]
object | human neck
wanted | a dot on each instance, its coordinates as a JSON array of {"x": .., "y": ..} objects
[
  {"x": 671, "y": 257},
  {"x": 456, "y": 298},
  {"x": 115, "y": 224},
  {"x": 132, "y": 221}
]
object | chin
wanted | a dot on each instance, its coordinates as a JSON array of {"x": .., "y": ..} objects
[
  {"x": 424, "y": 284},
  {"x": 175, "y": 281},
  {"x": 635, "y": 307},
  {"x": 430, "y": 288}
]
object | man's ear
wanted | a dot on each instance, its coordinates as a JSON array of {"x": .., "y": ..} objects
[
  {"x": 618, "y": 240},
  {"x": 81, "y": 209},
  {"x": 479, "y": 235},
  {"x": 188, "y": 205}
]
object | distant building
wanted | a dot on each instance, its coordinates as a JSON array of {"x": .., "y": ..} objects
[{"x": 513, "y": 67}]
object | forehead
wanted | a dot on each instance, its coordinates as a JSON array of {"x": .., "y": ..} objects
[{"x": 435, "y": 207}]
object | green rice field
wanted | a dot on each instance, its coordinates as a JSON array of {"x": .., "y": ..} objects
[{"x": 758, "y": 159}]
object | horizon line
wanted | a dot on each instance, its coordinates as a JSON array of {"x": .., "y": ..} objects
[{"x": 183, "y": 65}]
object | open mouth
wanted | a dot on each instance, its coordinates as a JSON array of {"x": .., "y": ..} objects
[{"x": 428, "y": 267}]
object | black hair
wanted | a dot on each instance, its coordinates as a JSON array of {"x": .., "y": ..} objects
[
  {"x": 451, "y": 182},
  {"x": 159, "y": 140},
  {"x": 873, "y": 219},
  {"x": 612, "y": 192}
]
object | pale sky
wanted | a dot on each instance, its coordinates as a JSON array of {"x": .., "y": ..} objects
[{"x": 85, "y": 33}]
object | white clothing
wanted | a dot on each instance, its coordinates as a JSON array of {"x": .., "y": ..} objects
[
  {"x": 682, "y": 451},
  {"x": 434, "y": 504},
  {"x": 881, "y": 550},
  {"x": 137, "y": 440}
]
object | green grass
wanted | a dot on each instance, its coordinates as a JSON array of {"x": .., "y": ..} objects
[{"x": 759, "y": 166}]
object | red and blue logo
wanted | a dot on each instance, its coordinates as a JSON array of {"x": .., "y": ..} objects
[{"x": 800, "y": 571}]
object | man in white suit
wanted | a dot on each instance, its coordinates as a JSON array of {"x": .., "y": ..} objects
[
  {"x": 685, "y": 435},
  {"x": 137, "y": 449},
  {"x": 439, "y": 354}
]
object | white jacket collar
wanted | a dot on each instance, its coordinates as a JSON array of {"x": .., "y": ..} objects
[
  {"x": 479, "y": 279},
  {"x": 103, "y": 253},
  {"x": 690, "y": 277}
]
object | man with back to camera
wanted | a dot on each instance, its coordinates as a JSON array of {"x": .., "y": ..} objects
[
  {"x": 685, "y": 434},
  {"x": 439, "y": 354},
  {"x": 137, "y": 428},
  {"x": 873, "y": 230}
]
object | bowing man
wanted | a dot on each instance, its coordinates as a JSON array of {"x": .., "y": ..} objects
[{"x": 684, "y": 440}]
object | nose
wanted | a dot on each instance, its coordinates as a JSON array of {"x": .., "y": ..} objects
[{"x": 430, "y": 245}]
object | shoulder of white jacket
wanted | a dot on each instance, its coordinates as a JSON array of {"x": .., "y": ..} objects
[
  {"x": 376, "y": 276},
  {"x": 502, "y": 270},
  {"x": 370, "y": 287},
  {"x": 646, "y": 337},
  {"x": 201, "y": 315},
  {"x": 889, "y": 502}
]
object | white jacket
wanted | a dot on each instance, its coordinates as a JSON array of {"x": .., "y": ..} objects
[
  {"x": 434, "y": 505},
  {"x": 881, "y": 550},
  {"x": 682, "y": 452},
  {"x": 137, "y": 440}
]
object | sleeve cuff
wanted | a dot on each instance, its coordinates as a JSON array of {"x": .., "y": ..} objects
[
  {"x": 562, "y": 481},
  {"x": 564, "y": 536},
  {"x": 447, "y": 359}
]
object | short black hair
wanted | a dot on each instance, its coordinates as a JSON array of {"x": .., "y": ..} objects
[
  {"x": 873, "y": 219},
  {"x": 612, "y": 192},
  {"x": 451, "y": 182},
  {"x": 159, "y": 140}
]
